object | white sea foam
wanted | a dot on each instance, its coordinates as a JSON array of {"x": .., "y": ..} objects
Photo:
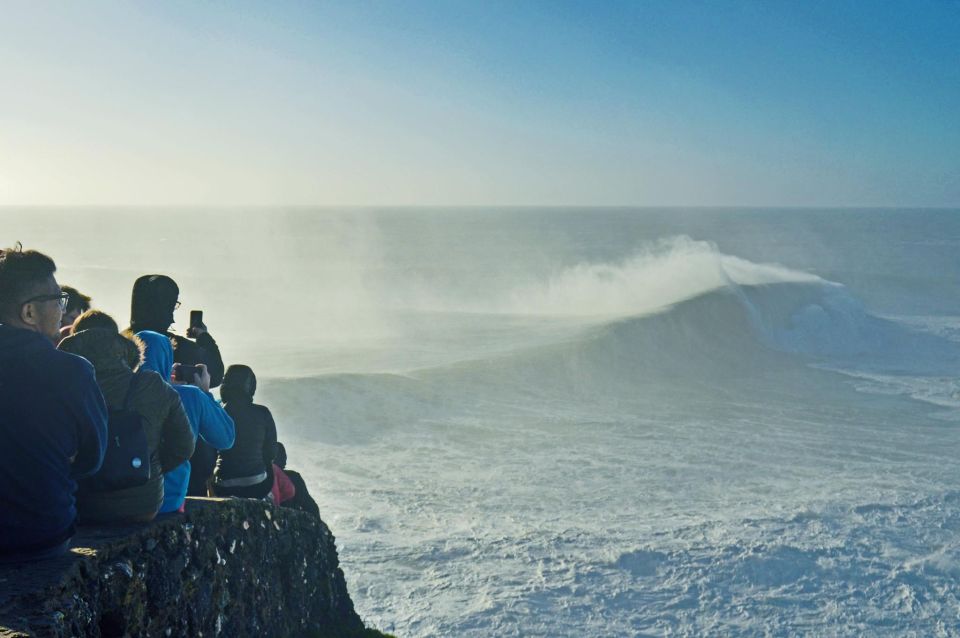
[
  {"x": 666, "y": 272},
  {"x": 552, "y": 423}
]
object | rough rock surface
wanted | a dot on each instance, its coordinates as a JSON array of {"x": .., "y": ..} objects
[{"x": 228, "y": 567}]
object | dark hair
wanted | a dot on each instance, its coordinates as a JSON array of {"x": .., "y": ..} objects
[
  {"x": 280, "y": 458},
  {"x": 94, "y": 336},
  {"x": 239, "y": 384},
  {"x": 94, "y": 319},
  {"x": 78, "y": 300},
  {"x": 21, "y": 271},
  {"x": 152, "y": 303}
]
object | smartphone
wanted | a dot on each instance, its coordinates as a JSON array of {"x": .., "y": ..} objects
[
  {"x": 186, "y": 373},
  {"x": 196, "y": 318}
]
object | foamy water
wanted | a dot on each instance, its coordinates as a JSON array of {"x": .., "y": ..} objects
[{"x": 568, "y": 423}]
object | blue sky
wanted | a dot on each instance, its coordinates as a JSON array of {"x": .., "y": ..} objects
[{"x": 483, "y": 102}]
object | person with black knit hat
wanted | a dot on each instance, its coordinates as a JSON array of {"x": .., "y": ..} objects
[
  {"x": 152, "y": 304},
  {"x": 246, "y": 469}
]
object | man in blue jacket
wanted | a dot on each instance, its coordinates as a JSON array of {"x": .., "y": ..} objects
[{"x": 53, "y": 420}]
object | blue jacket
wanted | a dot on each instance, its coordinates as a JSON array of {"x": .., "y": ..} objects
[
  {"x": 51, "y": 411},
  {"x": 209, "y": 421}
]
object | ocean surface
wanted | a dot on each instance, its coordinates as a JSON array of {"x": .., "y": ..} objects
[{"x": 591, "y": 422}]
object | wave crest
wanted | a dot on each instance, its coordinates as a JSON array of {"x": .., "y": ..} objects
[{"x": 660, "y": 274}]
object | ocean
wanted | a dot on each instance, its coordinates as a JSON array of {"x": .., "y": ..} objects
[{"x": 590, "y": 422}]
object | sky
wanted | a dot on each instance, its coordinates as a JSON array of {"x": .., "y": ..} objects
[{"x": 482, "y": 102}]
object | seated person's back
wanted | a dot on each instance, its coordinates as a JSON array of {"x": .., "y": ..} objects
[
  {"x": 53, "y": 420},
  {"x": 246, "y": 469},
  {"x": 209, "y": 420},
  {"x": 169, "y": 436}
]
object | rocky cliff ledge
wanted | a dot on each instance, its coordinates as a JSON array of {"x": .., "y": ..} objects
[{"x": 228, "y": 567}]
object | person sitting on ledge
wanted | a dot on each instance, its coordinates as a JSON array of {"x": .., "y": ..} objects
[
  {"x": 152, "y": 304},
  {"x": 246, "y": 469},
  {"x": 301, "y": 498},
  {"x": 283, "y": 488},
  {"x": 77, "y": 304},
  {"x": 207, "y": 418},
  {"x": 53, "y": 420},
  {"x": 168, "y": 436}
]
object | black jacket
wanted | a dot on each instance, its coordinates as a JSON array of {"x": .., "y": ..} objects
[
  {"x": 204, "y": 350},
  {"x": 255, "y": 445},
  {"x": 301, "y": 499},
  {"x": 152, "y": 305}
]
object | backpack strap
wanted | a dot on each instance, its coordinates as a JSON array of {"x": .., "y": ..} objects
[{"x": 130, "y": 389}]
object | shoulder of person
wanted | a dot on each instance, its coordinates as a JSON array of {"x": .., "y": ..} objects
[
  {"x": 182, "y": 342},
  {"x": 191, "y": 393},
  {"x": 71, "y": 364},
  {"x": 150, "y": 381}
]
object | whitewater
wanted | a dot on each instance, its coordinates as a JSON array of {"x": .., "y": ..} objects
[{"x": 591, "y": 422}]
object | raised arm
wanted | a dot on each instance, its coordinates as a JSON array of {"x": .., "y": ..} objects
[
  {"x": 216, "y": 426},
  {"x": 211, "y": 357}
]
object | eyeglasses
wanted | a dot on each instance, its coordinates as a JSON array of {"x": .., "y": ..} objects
[
  {"x": 62, "y": 297},
  {"x": 176, "y": 305}
]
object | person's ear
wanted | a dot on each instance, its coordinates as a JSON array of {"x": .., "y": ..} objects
[{"x": 29, "y": 314}]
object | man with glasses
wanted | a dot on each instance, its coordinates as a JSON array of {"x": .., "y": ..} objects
[
  {"x": 53, "y": 420},
  {"x": 154, "y": 300}
]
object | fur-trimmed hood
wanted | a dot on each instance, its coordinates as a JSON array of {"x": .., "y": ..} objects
[{"x": 106, "y": 349}]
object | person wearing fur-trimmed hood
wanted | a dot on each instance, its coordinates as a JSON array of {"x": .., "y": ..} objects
[{"x": 95, "y": 337}]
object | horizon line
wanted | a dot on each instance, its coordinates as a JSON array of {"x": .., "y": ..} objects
[{"x": 499, "y": 206}]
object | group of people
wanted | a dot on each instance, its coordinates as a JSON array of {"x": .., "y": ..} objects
[{"x": 103, "y": 426}]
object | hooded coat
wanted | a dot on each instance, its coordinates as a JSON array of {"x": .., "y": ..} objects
[
  {"x": 208, "y": 419},
  {"x": 256, "y": 443},
  {"x": 152, "y": 304},
  {"x": 53, "y": 430},
  {"x": 169, "y": 436}
]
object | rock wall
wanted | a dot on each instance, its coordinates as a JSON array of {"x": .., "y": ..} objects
[{"x": 227, "y": 567}]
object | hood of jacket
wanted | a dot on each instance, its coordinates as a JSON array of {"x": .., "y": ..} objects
[
  {"x": 106, "y": 349},
  {"x": 157, "y": 353},
  {"x": 152, "y": 303},
  {"x": 239, "y": 384}
]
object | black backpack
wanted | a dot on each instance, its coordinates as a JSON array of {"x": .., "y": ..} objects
[{"x": 127, "y": 461}]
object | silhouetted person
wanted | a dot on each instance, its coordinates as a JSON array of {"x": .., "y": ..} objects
[
  {"x": 53, "y": 419},
  {"x": 301, "y": 499},
  {"x": 283, "y": 487},
  {"x": 152, "y": 304},
  {"x": 77, "y": 304},
  {"x": 246, "y": 469}
]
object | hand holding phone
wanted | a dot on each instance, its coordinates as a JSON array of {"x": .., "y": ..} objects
[
  {"x": 202, "y": 377},
  {"x": 185, "y": 374},
  {"x": 197, "y": 326}
]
